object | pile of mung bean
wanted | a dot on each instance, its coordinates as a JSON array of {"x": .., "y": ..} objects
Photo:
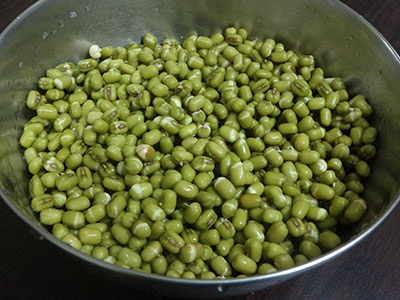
[{"x": 219, "y": 157}]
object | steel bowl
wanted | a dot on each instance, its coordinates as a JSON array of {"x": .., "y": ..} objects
[{"x": 342, "y": 42}]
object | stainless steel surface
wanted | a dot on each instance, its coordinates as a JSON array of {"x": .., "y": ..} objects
[{"x": 342, "y": 42}]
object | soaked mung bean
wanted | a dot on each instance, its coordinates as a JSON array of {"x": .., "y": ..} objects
[{"x": 216, "y": 157}]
